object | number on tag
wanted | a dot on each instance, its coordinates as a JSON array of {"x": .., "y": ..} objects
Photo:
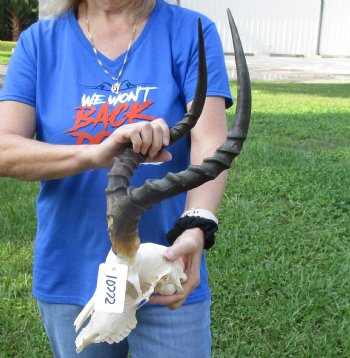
[{"x": 111, "y": 287}]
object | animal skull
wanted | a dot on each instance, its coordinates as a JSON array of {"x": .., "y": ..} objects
[{"x": 149, "y": 273}]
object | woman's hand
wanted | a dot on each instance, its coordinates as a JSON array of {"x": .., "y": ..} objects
[
  {"x": 145, "y": 137},
  {"x": 189, "y": 245}
]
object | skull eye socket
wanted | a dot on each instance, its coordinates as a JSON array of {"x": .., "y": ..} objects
[{"x": 166, "y": 278}]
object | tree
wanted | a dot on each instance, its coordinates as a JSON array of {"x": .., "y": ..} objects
[{"x": 17, "y": 15}]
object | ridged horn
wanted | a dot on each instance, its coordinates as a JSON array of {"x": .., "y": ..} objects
[
  {"x": 123, "y": 213},
  {"x": 154, "y": 191},
  {"x": 125, "y": 206}
]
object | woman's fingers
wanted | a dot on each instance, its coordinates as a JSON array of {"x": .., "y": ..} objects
[
  {"x": 147, "y": 137},
  {"x": 188, "y": 246},
  {"x": 176, "y": 300}
]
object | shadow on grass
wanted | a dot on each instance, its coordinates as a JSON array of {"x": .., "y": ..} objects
[
  {"x": 303, "y": 131},
  {"x": 340, "y": 90}
]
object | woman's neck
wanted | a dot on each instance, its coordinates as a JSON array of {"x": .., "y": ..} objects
[
  {"x": 107, "y": 12},
  {"x": 109, "y": 7},
  {"x": 111, "y": 25}
]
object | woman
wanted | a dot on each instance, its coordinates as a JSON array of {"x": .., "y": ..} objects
[{"x": 86, "y": 82}]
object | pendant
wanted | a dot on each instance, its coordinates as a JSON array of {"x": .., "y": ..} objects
[{"x": 115, "y": 88}]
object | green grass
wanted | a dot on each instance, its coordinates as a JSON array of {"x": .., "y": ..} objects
[
  {"x": 280, "y": 271},
  {"x": 6, "y": 48}
]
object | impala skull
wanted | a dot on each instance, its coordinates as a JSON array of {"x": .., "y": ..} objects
[{"x": 148, "y": 271}]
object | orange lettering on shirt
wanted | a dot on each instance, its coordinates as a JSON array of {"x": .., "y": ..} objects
[
  {"x": 135, "y": 112},
  {"x": 83, "y": 118},
  {"x": 83, "y": 136}
]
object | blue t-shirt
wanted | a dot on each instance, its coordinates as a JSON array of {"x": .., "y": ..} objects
[{"x": 55, "y": 70}]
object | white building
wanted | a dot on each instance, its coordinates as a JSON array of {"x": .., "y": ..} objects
[
  {"x": 284, "y": 27},
  {"x": 288, "y": 27}
]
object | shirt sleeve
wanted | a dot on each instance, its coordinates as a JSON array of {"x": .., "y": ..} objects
[
  {"x": 218, "y": 83},
  {"x": 20, "y": 80}
]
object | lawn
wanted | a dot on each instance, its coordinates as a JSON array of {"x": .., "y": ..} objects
[
  {"x": 6, "y": 48},
  {"x": 280, "y": 271}
]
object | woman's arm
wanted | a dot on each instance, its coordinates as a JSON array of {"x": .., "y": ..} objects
[
  {"x": 22, "y": 157},
  {"x": 209, "y": 133}
]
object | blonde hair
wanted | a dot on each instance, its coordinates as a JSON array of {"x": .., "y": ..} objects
[{"x": 54, "y": 8}]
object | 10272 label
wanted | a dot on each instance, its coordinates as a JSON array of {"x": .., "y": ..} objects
[{"x": 111, "y": 287}]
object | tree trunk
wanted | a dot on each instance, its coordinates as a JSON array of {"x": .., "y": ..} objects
[{"x": 16, "y": 26}]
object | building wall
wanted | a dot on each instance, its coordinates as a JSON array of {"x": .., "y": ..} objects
[
  {"x": 288, "y": 27},
  {"x": 336, "y": 28}
]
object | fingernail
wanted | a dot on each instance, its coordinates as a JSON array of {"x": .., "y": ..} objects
[{"x": 169, "y": 254}]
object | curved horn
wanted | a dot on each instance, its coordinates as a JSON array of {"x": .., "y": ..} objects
[
  {"x": 126, "y": 206},
  {"x": 190, "y": 119},
  {"x": 154, "y": 191},
  {"x": 123, "y": 213}
]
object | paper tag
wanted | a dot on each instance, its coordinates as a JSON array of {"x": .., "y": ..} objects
[{"x": 111, "y": 287}]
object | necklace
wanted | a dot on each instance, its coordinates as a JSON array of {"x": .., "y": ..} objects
[{"x": 116, "y": 86}]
